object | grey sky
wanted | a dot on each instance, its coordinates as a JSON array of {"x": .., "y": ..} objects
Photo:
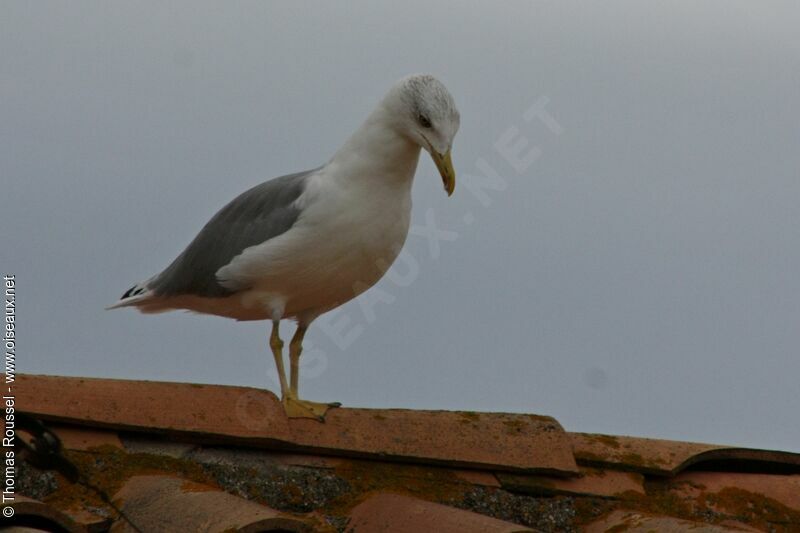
[{"x": 640, "y": 276}]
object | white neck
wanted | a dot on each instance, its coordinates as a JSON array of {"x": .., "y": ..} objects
[{"x": 378, "y": 152}]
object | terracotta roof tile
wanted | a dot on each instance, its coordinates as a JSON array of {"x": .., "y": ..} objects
[
  {"x": 634, "y": 522},
  {"x": 167, "y": 504},
  {"x": 782, "y": 489},
  {"x": 33, "y": 513},
  {"x": 665, "y": 457},
  {"x": 178, "y": 407},
  {"x": 232, "y": 448},
  {"x": 388, "y": 513},
  {"x": 73, "y": 438},
  {"x": 88, "y": 519},
  {"x": 240, "y": 415},
  {"x": 592, "y": 482},
  {"x": 478, "y": 440},
  {"x": 168, "y": 407}
]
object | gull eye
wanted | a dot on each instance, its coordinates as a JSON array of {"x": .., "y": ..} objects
[{"x": 424, "y": 121}]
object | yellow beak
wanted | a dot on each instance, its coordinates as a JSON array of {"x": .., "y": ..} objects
[{"x": 445, "y": 166}]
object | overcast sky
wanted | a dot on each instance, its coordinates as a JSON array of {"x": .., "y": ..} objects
[{"x": 633, "y": 269}]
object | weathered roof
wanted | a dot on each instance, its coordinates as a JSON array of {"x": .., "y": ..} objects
[{"x": 218, "y": 458}]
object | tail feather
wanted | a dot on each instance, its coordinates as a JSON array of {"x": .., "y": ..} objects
[{"x": 136, "y": 295}]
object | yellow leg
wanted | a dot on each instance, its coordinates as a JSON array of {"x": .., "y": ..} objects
[
  {"x": 294, "y": 406},
  {"x": 295, "y": 349},
  {"x": 276, "y": 344}
]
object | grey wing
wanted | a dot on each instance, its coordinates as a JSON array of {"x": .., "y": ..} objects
[{"x": 257, "y": 215}]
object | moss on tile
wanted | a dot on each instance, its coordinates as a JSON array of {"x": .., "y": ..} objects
[
  {"x": 108, "y": 468},
  {"x": 661, "y": 498},
  {"x": 514, "y": 426},
  {"x": 638, "y": 461},
  {"x": 366, "y": 477},
  {"x": 606, "y": 440},
  {"x": 669, "y": 498},
  {"x": 583, "y": 457},
  {"x": 589, "y": 509},
  {"x": 540, "y": 418},
  {"x": 469, "y": 417},
  {"x": 752, "y": 508},
  {"x": 629, "y": 461}
]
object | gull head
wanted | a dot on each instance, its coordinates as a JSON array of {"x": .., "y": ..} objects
[{"x": 424, "y": 111}]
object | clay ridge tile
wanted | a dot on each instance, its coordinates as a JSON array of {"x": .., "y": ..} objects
[
  {"x": 494, "y": 441},
  {"x": 154, "y": 406},
  {"x": 164, "y": 504},
  {"x": 667, "y": 458},
  {"x": 251, "y": 417}
]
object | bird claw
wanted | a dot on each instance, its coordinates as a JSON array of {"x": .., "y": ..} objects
[{"x": 296, "y": 408}]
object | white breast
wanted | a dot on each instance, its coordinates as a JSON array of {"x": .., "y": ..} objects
[{"x": 347, "y": 236}]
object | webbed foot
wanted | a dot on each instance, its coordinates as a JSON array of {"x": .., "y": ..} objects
[{"x": 296, "y": 408}]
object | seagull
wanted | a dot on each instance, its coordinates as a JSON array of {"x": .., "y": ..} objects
[{"x": 300, "y": 245}]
